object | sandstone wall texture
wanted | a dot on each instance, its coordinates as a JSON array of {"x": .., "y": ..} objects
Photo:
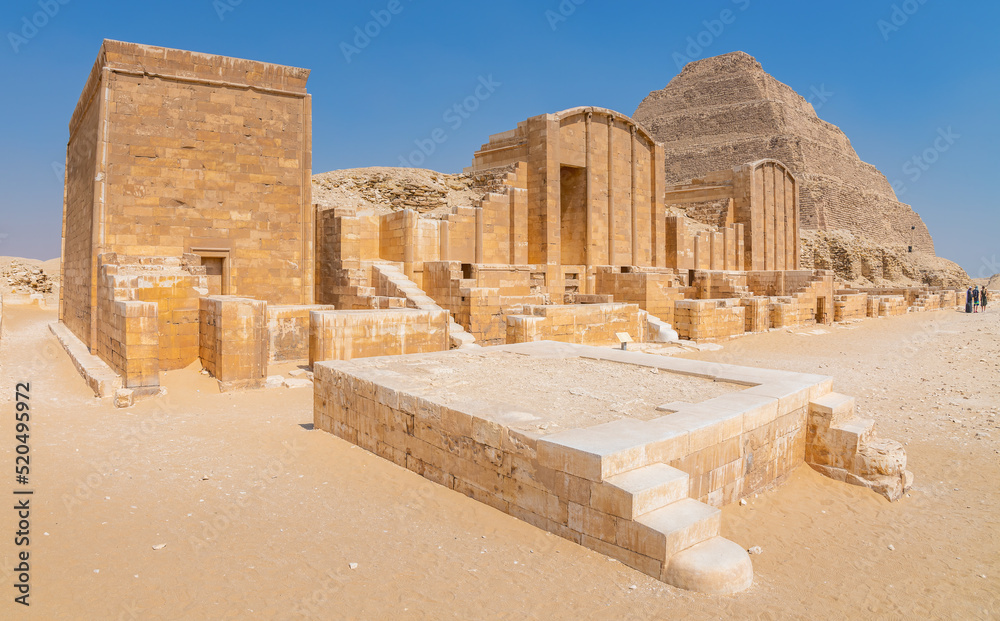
[{"x": 722, "y": 112}]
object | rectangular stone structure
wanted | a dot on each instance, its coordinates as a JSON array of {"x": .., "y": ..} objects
[
  {"x": 173, "y": 152},
  {"x": 234, "y": 341},
  {"x": 344, "y": 335},
  {"x": 640, "y": 488},
  {"x": 585, "y": 324}
]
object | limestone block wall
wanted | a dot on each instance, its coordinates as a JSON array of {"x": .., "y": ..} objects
[
  {"x": 80, "y": 271},
  {"x": 174, "y": 152},
  {"x": 128, "y": 337},
  {"x": 174, "y": 285},
  {"x": 234, "y": 341},
  {"x": 786, "y": 313},
  {"x": 345, "y": 335},
  {"x": 928, "y": 301},
  {"x": 757, "y": 314},
  {"x": 588, "y": 324},
  {"x": 653, "y": 292},
  {"x": 887, "y": 305},
  {"x": 719, "y": 284},
  {"x": 288, "y": 330},
  {"x": 850, "y": 306},
  {"x": 709, "y": 319},
  {"x": 480, "y": 297},
  {"x": 679, "y": 244},
  {"x": 344, "y": 241},
  {"x": 949, "y": 299}
]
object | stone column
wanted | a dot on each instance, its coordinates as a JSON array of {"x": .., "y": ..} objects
[
  {"x": 589, "y": 147},
  {"x": 635, "y": 212},
  {"x": 443, "y": 240},
  {"x": 611, "y": 190},
  {"x": 479, "y": 234}
]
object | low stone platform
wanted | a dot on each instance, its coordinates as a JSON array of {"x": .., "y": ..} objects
[
  {"x": 99, "y": 376},
  {"x": 629, "y": 454}
]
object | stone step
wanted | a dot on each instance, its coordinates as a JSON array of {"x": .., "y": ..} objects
[
  {"x": 852, "y": 434},
  {"x": 660, "y": 331},
  {"x": 663, "y": 533},
  {"x": 832, "y": 408},
  {"x": 640, "y": 491},
  {"x": 716, "y": 566}
]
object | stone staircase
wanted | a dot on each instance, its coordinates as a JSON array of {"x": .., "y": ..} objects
[
  {"x": 390, "y": 281},
  {"x": 660, "y": 331},
  {"x": 844, "y": 447},
  {"x": 660, "y": 521}
]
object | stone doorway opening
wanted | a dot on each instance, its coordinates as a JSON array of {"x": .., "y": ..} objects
[{"x": 573, "y": 214}]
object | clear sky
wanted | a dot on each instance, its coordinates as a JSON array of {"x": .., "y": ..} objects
[{"x": 895, "y": 75}]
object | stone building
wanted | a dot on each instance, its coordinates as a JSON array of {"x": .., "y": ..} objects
[
  {"x": 186, "y": 155},
  {"x": 186, "y": 175},
  {"x": 762, "y": 196}
]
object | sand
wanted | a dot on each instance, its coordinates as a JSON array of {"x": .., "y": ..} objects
[{"x": 261, "y": 517}]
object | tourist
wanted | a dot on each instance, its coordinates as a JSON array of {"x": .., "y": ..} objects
[
  {"x": 982, "y": 298},
  {"x": 975, "y": 299},
  {"x": 968, "y": 300}
]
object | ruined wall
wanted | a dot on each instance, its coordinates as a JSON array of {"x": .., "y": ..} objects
[
  {"x": 850, "y": 306},
  {"x": 233, "y": 343},
  {"x": 173, "y": 285},
  {"x": 709, "y": 319},
  {"x": 288, "y": 330},
  {"x": 761, "y": 196},
  {"x": 586, "y": 324},
  {"x": 127, "y": 336},
  {"x": 652, "y": 292},
  {"x": 345, "y": 335}
]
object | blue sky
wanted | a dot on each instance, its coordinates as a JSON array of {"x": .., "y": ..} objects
[{"x": 896, "y": 74}]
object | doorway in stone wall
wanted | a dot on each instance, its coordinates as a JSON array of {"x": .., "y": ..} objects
[
  {"x": 821, "y": 310},
  {"x": 573, "y": 214},
  {"x": 216, "y": 263}
]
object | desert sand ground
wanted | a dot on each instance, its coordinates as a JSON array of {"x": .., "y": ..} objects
[{"x": 262, "y": 518}]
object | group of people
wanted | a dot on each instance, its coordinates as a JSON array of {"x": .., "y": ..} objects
[{"x": 976, "y": 298}]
